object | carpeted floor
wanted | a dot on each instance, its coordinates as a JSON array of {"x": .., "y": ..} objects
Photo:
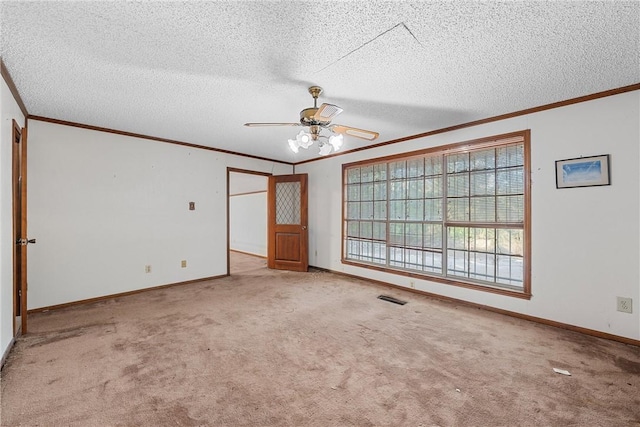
[{"x": 269, "y": 348}]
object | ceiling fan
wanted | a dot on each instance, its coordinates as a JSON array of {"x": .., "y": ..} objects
[{"x": 317, "y": 119}]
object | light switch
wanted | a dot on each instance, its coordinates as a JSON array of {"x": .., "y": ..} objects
[{"x": 192, "y": 206}]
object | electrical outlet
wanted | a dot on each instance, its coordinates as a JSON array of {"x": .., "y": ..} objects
[
  {"x": 412, "y": 284},
  {"x": 147, "y": 269},
  {"x": 183, "y": 264},
  {"x": 624, "y": 305}
]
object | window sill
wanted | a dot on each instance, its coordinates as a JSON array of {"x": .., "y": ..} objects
[{"x": 448, "y": 281}]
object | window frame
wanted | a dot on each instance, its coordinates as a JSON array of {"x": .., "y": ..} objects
[{"x": 520, "y": 137}]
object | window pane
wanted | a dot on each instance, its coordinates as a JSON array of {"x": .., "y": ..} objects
[
  {"x": 380, "y": 210},
  {"x": 353, "y": 248},
  {"x": 380, "y": 172},
  {"x": 510, "y": 156},
  {"x": 366, "y": 250},
  {"x": 380, "y": 230},
  {"x": 379, "y": 253},
  {"x": 483, "y": 159},
  {"x": 353, "y": 192},
  {"x": 366, "y": 192},
  {"x": 483, "y": 183},
  {"x": 457, "y": 163},
  {"x": 413, "y": 235},
  {"x": 433, "y": 236},
  {"x": 458, "y": 237},
  {"x": 483, "y": 209},
  {"x": 396, "y": 234},
  {"x": 482, "y": 239},
  {"x": 458, "y": 185},
  {"x": 415, "y": 210},
  {"x": 457, "y": 263},
  {"x": 366, "y": 174},
  {"x": 433, "y": 209},
  {"x": 433, "y": 186},
  {"x": 510, "y": 242},
  {"x": 353, "y": 210},
  {"x": 510, "y": 208},
  {"x": 415, "y": 168},
  {"x": 287, "y": 203},
  {"x": 510, "y": 270},
  {"x": 413, "y": 259},
  {"x": 396, "y": 257},
  {"x": 398, "y": 169},
  {"x": 353, "y": 229},
  {"x": 433, "y": 165},
  {"x": 415, "y": 188},
  {"x": 510, "y": 181},
  {"x": 366, "y": 230},
  {"x": 353, "y": 175},
  {"x": 458, "y": 209},
  {"x": 433, "y": 262},
  {"x": 482, "y": 266},
  {"x": 366, "y": 210},
  {"x": 398, "y": 190},
  {"x": 380, "y": 191},
  {"x": 397, "y": 209}
]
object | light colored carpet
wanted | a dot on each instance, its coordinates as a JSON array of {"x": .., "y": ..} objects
[{"x": 269, "y": 348}]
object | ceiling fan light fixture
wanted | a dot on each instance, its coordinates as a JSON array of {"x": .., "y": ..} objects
[
  {"x": 336, "y": 141},
  {"x": 304, "y": 139},
  {"x": 325, "y": 149},
  {"x": 293, "y": 144}
]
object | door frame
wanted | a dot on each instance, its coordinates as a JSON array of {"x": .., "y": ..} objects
[
  {"x": 19, "y": 216},
  {"x": 235, "y": 170}
]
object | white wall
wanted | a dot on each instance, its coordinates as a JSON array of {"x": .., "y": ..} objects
[
  {"x": 103, "y": 206},
  {"x": 585, "y": 241},
  {"x": 248, "y": 222},
  {"x": 9, "y": 111},
  {"x": 248, "y": 225}
]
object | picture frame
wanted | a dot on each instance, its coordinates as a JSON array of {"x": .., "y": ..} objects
[{"x": 583, "y": 172}]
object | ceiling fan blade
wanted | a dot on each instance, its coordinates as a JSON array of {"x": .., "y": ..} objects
[
  {"x": 358, "y": 133},
  {"x": 326, "y": 112},
  {"x": 271, "y": 124}
]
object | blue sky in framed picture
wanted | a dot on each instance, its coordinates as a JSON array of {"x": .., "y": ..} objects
[{"x": 583, "y": 171}]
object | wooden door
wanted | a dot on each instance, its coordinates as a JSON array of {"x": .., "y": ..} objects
[
  {"x": 19, "y": 184},
  {"x": 287, "y": 224}
]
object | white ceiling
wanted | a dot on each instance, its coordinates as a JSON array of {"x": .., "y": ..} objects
[{"x": 197, "y": 71}]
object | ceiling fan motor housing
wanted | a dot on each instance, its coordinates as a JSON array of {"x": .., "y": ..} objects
[{"x": 307, "y": 118}]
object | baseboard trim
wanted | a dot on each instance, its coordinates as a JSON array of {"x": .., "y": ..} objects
[
  {"x": 248, "y": 253},
  {"x": 5, "y": 355},
  {"x": 119, "y": 295},
  {"x": 553, "y": 323}
]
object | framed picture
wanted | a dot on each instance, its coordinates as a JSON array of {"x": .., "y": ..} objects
[{"x": 583, "y": 172}]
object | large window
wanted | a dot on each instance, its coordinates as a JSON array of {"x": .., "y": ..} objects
[{"x": 458, "y": 214}]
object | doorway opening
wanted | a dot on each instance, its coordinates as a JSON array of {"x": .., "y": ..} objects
[{"x": 246, "y": 220}]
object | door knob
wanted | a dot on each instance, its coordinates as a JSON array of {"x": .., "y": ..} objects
[
  {"x": 304, "y": 227},
  {"x": 24, "y": 242}
]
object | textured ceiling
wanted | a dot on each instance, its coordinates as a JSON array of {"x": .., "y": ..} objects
[{"x": 197, "y": 71}]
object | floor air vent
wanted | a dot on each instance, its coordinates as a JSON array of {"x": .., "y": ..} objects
[{"x": 392, "y": 299}]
